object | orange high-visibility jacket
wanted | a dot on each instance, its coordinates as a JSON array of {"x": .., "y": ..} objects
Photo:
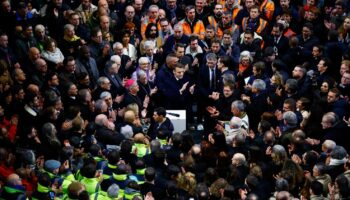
[
  {"x": 262, "y": 25},
  {"x": 198, "y": 28},
  {"x": 235, "y": 9},
  {"x": 267, "y": 8}
]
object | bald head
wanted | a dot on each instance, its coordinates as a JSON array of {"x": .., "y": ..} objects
[
  {"x": 101, "y": 119},
  {"x": 34, "y": 54},
  {"x": 40, "y": 65},
  {"x": 14, "y": 179}
]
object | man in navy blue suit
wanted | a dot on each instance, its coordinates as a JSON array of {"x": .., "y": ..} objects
[{"x": 208, "y": 86}]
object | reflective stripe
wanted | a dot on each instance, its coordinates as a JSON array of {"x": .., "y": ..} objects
[
  {"x": 120, "y": 177},
  {"x": 140, "y": 171},
  {"x": 112, "y": 166},
  {"x": 42, "y": 189}
]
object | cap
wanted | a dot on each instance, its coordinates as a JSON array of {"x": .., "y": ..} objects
[
  {"x": 113, "y": 191},
  {"x": 51, "y": 165}
]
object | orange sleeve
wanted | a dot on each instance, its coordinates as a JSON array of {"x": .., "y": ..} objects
[
  {"x": 269, "y": 10},
  {"x": 200, "y": 30}
]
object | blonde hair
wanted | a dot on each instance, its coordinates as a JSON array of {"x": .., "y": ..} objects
[{"x": 187, "y": 182}]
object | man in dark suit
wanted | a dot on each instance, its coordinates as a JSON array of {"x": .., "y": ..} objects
[
  {"x": 207, "y": 90},
  {"x": 105, "y": 133},
  {"x": 277, "y": 40},
  {"x": 127, "y": 65},
  {"x": 85, "y": 63},
  {"x": 164, "y": 74},
  {"x": 112, "y": 73}
]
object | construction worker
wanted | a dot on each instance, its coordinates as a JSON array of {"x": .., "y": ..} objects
[
  {"x": 191, "y": 25},
  {"x": 213, "y": 20},
  {"x": 267, "y": 8},
  {"x": 254, "y": 22}
]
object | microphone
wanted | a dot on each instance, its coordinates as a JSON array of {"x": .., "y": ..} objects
[{"x": 173, "y": 114}]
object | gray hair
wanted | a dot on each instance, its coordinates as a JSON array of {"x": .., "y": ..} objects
[
  {"x": 68, "y": 27},
  {"x": 39, "y": 27},
  {"x": 321, "y": 168},
  {"x": 329, "y": 144},
  {"x": 338, "y": 153},
  {"x": 281, "y": 184},
  {"x": 278, "y": 149},
  {"x": 259, "y": 84},
  {"x": 240, "y": 158},
  {"x": 331, "y": 118},
  {"x": 153, "y": 6},
  {"x": 178, "y": 27},
  {"x": 141, "y": 74},
  {"x": 49, "y": 130},
  {"x": 290, "y": 118},
  {"x": 143, "y": 60},
  {"x": 105, "y": 94},
  {"x": 211, "y": 56},
  {"x": 99, "y": 104},
  {"x": 236, "y": 122},
  {"x": 245, "y": 54},
  {"x": 115, "y": 58},
  {"x": 292, "y": 84},
  {"x": 101, "y": 80},
  {"x": 228, "y": 78},
  {"x": 148, "y": 44},
  {"x": 117, "y": 44},
  {"x": 239, "y": 105}
]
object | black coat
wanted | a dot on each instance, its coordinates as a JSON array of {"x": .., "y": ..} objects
[{"x": 107, "y": 136}]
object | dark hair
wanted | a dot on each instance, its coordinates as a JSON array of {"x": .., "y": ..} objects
[
  {"x": 226, "y": 60},
  {"x": 160, "y": 111},
  {"x": 150, "y": 174},
  {"x": 88, "y": 170},
  {"x": 95, "y": 31},
  {"x": 316, "y": 187},
  {"x": 215, "y": 40},
  {"x": 189, "y": 7},
  {"x": 327, "y": 62},
  {"x": 249, "y": 32},
  {"x": 193, "y": 38},
  {"x": 94, "y": 149},
  {"x": 210, "y": 27},
  {"x": 278, "y": 64},
  {"x": 309, "y": 26},
  {"x": 68, "y": 59},
  {"x": 176, "y": 139},
  {"x": 44, "y": 180},
  {"x": 177, "y": 45},
  {"x": 279, "y": 26},
  {"x": 148, "y": 30},
  {"x": 113, "y": 157},
  {"x": 48, "y": 41}
]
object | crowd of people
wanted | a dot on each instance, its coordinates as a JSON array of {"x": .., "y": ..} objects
[{"x": 85, "y": 87}]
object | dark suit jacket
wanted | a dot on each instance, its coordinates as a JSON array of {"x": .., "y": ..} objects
[
  {"x": 116, "y": 84},
  {"x": 169, "y": 44},
  {"x": 282, "y": 45},
  {"x": 82, "y": 66},
  {"x": 203, "y": 83},
  {"x": 107, "y": 136}
]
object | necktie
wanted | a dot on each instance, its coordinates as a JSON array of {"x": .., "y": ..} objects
[{"x": 212, "y": 79}]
